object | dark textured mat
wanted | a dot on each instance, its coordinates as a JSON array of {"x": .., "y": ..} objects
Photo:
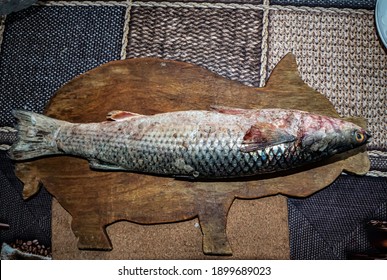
[
  {"x": 331, "y": 223},
  {"x": 43, "y": 48},
  {"x": 359, "y": 4},
  {"x": 28, "y": 220},
  {"x": 213, "y": 1}
]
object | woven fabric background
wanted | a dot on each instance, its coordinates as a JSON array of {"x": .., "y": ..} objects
[
  {"x": 225, "y": 41},
  {"x": 336, "y": 47}
]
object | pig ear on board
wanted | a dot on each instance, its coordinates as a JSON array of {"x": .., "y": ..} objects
[
  {"x": 263, "y": 135},
  {"x": 118, "y": 115}
]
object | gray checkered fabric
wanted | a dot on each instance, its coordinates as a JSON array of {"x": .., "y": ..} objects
[
  {"x": 331, "y": 223},
  {"x": 359, "y": 4},
  {"x": 8, "y": 6},
  {"x": 379, "y": 163},
  {"x": 45, "y": 47},
  {"x": 8, "y": 137}
]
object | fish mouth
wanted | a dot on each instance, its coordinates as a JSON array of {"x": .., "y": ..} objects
[{"x": 368, "y": 135}]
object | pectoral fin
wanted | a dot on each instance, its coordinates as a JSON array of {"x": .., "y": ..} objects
[
  {"x": 262, "y": 135},
  {"x": 99, "y": 165},
  {"x": 118, "y": 115}
]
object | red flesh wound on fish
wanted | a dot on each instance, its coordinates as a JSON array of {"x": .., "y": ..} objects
[
  {"x": 228, "y": 110},
  {"x": 262, "y": 135},
  {"x": 120, "y": 115}
]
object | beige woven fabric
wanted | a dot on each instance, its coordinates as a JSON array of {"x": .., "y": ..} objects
[{"x": 340, "y": 56}]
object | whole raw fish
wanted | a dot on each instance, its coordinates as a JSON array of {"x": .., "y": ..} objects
[{"x": 222, "y": 143}]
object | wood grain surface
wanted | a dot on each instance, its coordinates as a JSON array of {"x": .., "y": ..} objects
[{"x": 96, "y": 199}]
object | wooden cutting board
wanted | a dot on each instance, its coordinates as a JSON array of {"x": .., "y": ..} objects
[{"x": 96, "y": 199}]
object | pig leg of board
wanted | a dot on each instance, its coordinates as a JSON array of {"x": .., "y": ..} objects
[
  {"x": 91, "y": 235},
  {"x": 213, "y": 221}
]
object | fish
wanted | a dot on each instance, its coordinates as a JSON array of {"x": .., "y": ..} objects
[{"x": 221, "y": 142}]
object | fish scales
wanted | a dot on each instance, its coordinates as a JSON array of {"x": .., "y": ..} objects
[
  {"x": 165, "y": 149},
  {"x": 223, "y": 143},
  {"x": 169, "y": 149}
]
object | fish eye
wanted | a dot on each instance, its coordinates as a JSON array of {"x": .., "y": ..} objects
[{"x": 359, "y": 137}]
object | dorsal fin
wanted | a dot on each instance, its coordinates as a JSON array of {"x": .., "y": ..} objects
[
  {"x": 118, "y": 115},
  {"x": 286, "y": 77},
  {"x": 262, "y": 135},
  {"x": 229, "y": 110}
]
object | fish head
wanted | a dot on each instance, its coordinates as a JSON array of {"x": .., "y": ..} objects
[
  {"x": 349, "y": 138},
  {"x": 332, "y": 136}
]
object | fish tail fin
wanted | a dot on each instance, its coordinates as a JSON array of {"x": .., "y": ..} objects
[{"x": 36, "y": 136}]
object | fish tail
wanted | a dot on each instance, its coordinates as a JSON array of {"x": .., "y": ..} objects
[{"x": 36, "y": 136}]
